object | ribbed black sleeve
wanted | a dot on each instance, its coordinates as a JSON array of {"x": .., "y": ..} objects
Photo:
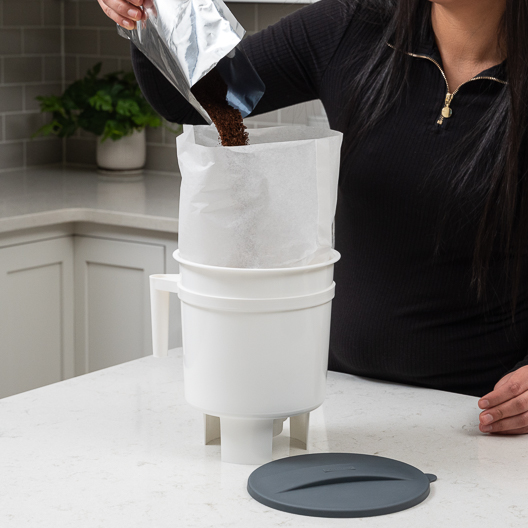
[{"x": 403, "y": 311}]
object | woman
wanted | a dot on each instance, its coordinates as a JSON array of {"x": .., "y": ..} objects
[{"x": 432, "y": 215}]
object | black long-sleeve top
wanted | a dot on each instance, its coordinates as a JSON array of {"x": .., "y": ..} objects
[{"x": 402, "y": 312}]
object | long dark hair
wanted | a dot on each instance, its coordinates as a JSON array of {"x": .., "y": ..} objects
[{"x": 501, "y": 133}]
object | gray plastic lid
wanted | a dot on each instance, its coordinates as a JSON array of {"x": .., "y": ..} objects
[{"x": 339, "y": 485}]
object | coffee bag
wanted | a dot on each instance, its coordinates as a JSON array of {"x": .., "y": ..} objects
[{"x": 186, "y": 39}]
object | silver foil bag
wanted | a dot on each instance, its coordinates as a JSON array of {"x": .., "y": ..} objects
[{"x": 186, "y": 39}]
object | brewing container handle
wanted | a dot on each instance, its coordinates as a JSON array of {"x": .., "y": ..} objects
[{"x": 160, "y": 288}]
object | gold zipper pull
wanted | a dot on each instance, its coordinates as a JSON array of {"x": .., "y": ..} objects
[{"x": 447, "y": 111}]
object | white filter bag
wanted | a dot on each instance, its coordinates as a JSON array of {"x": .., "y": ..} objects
[{"x": 269, "y": 204}]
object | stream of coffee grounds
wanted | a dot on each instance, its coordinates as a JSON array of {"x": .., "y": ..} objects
[{"x": 211, "y": 92}]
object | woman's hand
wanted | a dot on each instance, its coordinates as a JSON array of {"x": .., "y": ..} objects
[
  {"x": 125, "y": 13},
  {"x": 506, "y": 407}
]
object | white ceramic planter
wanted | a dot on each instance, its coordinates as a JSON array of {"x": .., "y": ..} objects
[{"x": 124, "y": 156}]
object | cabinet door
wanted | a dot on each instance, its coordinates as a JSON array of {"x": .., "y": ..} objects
[
  {"x": 36, "y": 315},
  {"x": 112, "y": 302}
]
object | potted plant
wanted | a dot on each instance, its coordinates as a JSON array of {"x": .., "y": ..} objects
[{"x": 113, "y": 108}]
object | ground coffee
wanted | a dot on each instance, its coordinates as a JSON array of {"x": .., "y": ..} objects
[{"x": 211, "y": 92}]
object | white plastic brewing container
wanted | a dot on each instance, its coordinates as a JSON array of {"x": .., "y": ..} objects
[{"x": 255, "y": 344}]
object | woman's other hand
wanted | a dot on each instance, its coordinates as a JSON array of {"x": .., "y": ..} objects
[
  {"x": 125, "y": 13},
  {"x": 506, "y": 407}
]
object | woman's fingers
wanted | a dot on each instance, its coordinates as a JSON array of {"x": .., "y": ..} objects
[
  {"x": 522, "y": 430},
  {"x": 506, "y": 425},
  {"x": 507, "y": 388},
  {"x": 122, "y": 12},
  {"x": 506, "y": 407}
]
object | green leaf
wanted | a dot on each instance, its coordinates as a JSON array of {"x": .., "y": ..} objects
[
  {"x": 51, "y": 103},
  {"x": 115, "y": 130},
  {"x": 48, "y": 129},
  {"x": 127, "y": 107},
  {"x": 101, "y": 101}
]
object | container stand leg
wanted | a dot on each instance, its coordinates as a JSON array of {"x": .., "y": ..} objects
[
  {"x": 299, "y": 429},
  {"x": 211, "y": 428},
  {"x": 246, "y": 441},
  {"x": 278, "y": 425}
]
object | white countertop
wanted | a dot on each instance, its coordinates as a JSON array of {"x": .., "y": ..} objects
[
  {"x": 121, "y": 448},
  {"x": 54, "y": 195}
]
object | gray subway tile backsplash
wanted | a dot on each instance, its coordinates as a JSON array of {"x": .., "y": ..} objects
[
  {"x": 10, "y": 41},
  {"x": 91, "y": 15},
  {"x": 11, "y": 98},
  {"x": 71, "y": 13},
  {"x": 34, "y": 90},
  {"x": 27, "y": 13},
  {"x": 53, "y": 68},
  {"x": 108, "y": 64},
  {"x": 22, "y": 126},
  {"x": 43, "y": 151},
  {"x": 22, "y": 69},
  {"x": 70, "y": 68},
  {"x": 161, "y": 158},
  {"x": 111, "y": 44},
  {"x": 51, "y": 12},
  {"x": 44, "y": 41},
  {"x": 154, "y": 135},
  {"x": 34, "y": 61},
  {"x": 81, "y": 41},
  {"x": 11, "y": 155}
]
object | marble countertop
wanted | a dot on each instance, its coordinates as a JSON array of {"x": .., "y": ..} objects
[
  {"x": 55, "y": 195},
  {"x": 121, "y": 448}
]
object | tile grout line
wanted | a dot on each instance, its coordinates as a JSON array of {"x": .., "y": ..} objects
[
  {"x": 31, "y": 55},
  {"x": 21, "y": 112},
  {"x": 63, "y": 69}
]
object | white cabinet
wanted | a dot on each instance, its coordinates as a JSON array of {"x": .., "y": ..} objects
[
  {"x": 36, "y": 314},
  {"x": 74, "y": 298},
  {"x": 112, "y": 305}
]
